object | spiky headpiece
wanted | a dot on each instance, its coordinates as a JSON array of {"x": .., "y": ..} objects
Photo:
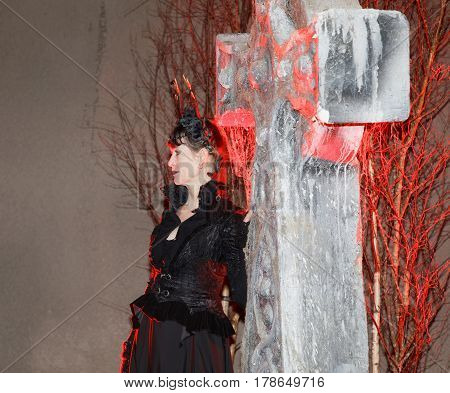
[{"x": 190, "y": 123}]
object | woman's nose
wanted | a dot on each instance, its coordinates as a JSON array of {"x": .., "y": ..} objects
[{"x": 171, "y": 161}]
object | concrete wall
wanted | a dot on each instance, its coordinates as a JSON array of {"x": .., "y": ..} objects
[{"x": 62, "y": 238}]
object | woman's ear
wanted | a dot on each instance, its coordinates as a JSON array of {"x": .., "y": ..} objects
[{"x": 204, "y": 157}]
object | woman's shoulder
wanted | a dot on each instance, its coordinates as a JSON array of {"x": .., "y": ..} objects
[
  {"x": 227, "y": 210},
  {"x": 232, "y": 220}
]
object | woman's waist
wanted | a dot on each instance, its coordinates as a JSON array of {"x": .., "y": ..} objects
[
  {"x": 187, "y": 289},
  {"x": 194, "y": 315},
  {"x": 196, "y": 300}
]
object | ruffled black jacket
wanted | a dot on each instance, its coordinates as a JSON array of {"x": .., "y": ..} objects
[{"x": 185, "y": 284}]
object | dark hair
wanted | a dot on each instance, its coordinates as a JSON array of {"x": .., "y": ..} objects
[{"x": 198, "y": 135}]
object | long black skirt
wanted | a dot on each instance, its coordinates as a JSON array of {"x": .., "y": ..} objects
[{"x": 166, "y": 347}]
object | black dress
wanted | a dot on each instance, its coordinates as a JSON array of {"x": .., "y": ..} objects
[{"x": 179, "y": 324}]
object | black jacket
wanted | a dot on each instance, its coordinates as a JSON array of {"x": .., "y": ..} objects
[{"x": 186, "y": 277}]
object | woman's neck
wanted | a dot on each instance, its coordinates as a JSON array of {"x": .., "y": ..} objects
[{"x": 192, "y": 202}]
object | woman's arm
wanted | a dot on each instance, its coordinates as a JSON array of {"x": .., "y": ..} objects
[
  {"x": 234, "y": 238},
  {"x": 154, "y": 271}
]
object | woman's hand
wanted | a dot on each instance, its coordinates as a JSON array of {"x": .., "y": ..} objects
[{"x": 248, "y": 216}]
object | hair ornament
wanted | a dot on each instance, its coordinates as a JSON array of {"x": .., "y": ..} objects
[{"x": 190, "y": 123}]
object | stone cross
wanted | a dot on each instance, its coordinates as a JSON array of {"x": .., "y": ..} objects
[{"x": 307, "y": 76}]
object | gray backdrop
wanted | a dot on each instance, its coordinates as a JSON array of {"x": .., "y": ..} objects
[{"x": 62, "y": 237}]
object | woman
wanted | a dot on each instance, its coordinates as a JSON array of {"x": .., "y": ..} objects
[{"x": 179, "y": 324}]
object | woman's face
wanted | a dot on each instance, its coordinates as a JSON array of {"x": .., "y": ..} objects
[{"x": 185, "y": 165}]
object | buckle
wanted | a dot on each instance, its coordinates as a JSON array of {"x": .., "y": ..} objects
[
  {"x": 167, "y": 275},
  {"x": 165, "y": 293}
]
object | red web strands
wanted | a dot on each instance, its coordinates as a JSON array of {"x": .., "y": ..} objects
[{"x": 241, "y": 149}]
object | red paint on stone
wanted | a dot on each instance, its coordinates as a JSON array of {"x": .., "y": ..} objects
[
  {"x": 306, "y": 108},
  {"x": 238, "y": 117},
  {"x": 336, "y": 144}
]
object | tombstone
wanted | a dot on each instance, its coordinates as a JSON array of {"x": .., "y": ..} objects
[{"x": 308, "y": 76}]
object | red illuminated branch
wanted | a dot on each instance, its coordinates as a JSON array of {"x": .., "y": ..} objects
[{"x": 405, "y": 202}]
